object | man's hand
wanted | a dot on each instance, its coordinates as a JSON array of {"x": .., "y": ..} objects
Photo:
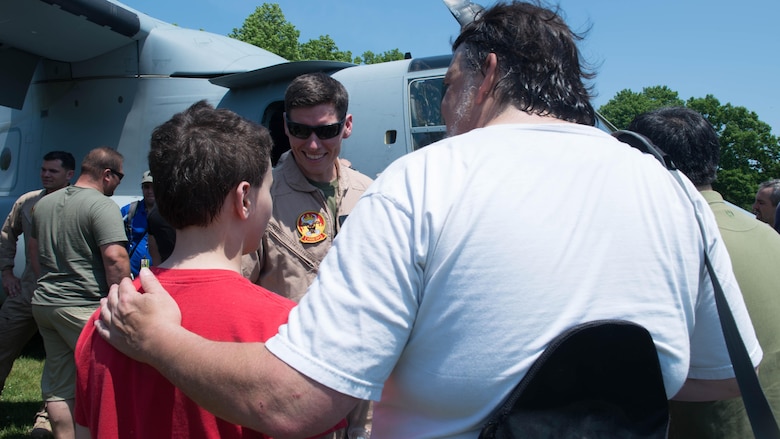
[
  {"x": 11, "y": 283},
  {"x": 132, "y": 322}
]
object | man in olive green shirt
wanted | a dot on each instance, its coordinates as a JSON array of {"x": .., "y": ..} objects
[
  {"x": 80, "y": 240},
  {"x": 754, "y": 248}
]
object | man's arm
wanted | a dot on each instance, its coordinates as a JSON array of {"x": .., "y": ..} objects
[
  {"x": 9, "y": 234},
  {"x": 116, "y": 262},
  {"x": 708, "y": 390},
  {"x": 242, "y": 383},
  {"x": 11, "y": 284}
]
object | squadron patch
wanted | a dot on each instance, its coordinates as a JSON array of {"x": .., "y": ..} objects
[{"x": 311, "y": 226}]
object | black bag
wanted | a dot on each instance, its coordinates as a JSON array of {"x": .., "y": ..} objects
[{"x": 599, "y": 379}]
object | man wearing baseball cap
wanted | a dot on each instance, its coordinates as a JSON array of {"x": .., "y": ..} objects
[{"x": 136, "y": 227}]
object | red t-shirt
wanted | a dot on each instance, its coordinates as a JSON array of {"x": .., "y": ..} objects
[{"x": 118, "y": 397}]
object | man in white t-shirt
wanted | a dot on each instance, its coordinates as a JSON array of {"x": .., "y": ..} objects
[{"x": 467, "y": 268}]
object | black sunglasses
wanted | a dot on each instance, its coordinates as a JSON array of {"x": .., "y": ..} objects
[
  {"x": 117, "y": 173},
  {"x": 324, "y": 132}
]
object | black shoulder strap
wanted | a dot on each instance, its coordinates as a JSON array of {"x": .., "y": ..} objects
[
  {"x": 762, "y": 420},
  {"x": 644, "y": 144}
]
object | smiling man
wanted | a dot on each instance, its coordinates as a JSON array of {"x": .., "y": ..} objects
[{"x": 313, "y": 193}]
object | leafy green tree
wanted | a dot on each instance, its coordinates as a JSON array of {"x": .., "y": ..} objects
[
  {"x": 269, "y": 29},
  {"x": 626, "y": 104},
  {"x": 324, "y": 48},
  {"x": 749, "y": 153},
  {"x": 737, "y": 186},
  {"x": 370, "y": 57}
]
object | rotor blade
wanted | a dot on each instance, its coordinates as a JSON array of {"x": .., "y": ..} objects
[{"x": 463, "y": 10}]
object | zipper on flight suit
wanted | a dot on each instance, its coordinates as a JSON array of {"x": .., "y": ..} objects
[{"x": 284, "y": 240}]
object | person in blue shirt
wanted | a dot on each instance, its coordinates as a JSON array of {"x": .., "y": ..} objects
[{"x": 136, "y": 226}]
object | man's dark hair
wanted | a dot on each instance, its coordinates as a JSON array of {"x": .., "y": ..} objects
[
  {"x": 314, "y": 89},
  {"x": 100, "y": 159},
  {"x": 199, "y": 156},
  {"x": 66, "y": 158},
  {"x": 539, "y": 66},
  {"x": 687, "y": 137}
]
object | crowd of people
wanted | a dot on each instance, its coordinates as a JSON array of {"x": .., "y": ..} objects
[{"x": 306, "y": 300}]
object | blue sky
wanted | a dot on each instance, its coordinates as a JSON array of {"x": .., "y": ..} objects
[{"x": 730, "y": 50}]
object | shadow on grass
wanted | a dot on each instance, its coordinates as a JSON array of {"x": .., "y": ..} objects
[{"x": 17, "y": 418}]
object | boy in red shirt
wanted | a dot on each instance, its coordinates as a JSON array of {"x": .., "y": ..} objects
[{"x": 212, "y": 175}]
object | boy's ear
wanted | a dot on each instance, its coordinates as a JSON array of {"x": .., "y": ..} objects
[{"x": 242, "y": 203}]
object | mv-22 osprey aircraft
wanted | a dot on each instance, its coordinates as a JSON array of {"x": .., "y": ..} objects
[{"x": 77, "y": 74}]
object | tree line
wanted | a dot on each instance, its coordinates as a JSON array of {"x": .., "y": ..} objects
[
  {"x": 750, "y": 154},
  {"x": 269, "y": 29}
]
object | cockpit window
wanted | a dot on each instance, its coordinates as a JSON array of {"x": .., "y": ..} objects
[{"x": 427, "y": 125}]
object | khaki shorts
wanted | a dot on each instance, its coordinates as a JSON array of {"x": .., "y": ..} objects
[{"x": 60, "y": 328}]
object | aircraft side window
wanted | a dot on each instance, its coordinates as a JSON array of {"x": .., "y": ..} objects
[
  {"x": 425, "y": 96},
  {"x": 427, "y": 125}
]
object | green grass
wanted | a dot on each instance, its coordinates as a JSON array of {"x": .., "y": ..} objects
[{"x": 21, "y": 397}]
